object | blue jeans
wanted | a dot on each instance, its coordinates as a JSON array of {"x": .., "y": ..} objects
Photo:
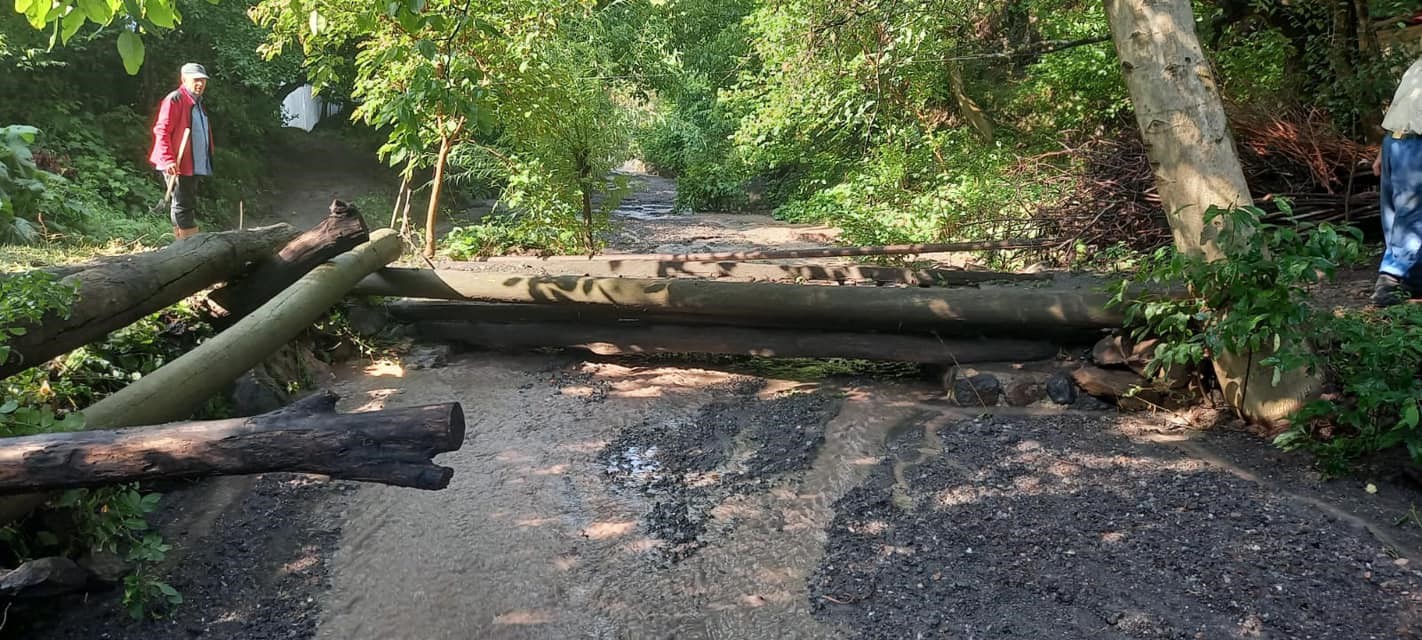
[{"x": 1401, "y": 192}]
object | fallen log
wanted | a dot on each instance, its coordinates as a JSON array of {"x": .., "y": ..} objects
[
  {"x": 611, "y": 266},
  {"x": 115, "y": 293},
  {"x": 770, "y": 343},
  {"x": 177, "y": 388},
  {"x": 413, "y": 311},
  {"x": 796, "y": 254},
  {"x": 337, "y": 233},
  {"x": 1001, "y": 311},
  {"x": 391, "y": 446}
]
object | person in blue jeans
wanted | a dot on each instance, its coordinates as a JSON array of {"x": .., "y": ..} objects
[{"x": 1399, "y": 163}]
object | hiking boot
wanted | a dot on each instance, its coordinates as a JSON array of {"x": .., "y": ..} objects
[{"x": 1390, "y": 290}]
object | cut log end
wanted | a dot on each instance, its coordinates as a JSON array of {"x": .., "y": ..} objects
[{"x": 391, "y": 446}]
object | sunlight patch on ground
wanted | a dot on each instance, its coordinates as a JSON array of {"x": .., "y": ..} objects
[
  {"x": 524, "y": 617},
  {"x": 385, "y": 369},
  {"x": 607, "y": 530},
  {"x": 530, "y": 522},
  {"x": 376, "y": 399}
]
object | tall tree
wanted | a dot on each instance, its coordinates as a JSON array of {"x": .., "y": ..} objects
[{"x": 1182, "y": 119}]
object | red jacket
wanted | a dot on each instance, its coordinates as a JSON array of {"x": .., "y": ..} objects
[{"x": 175, "y": 115}]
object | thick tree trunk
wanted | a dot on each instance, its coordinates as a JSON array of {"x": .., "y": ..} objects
[
  {"x": 1029, "y": 312},
  {"x": 1181, "y": 116},
  {"x": 179, "y": 387},
  {"x": 1187, "y": 138},
  {"x": 769, "y": 343},
  {"x": 391, "y": 446},
  {"x": 118, "y": 292},
  {"x": 797, "y": 254},
  {"x": 749, "y": 271},
  {"x": 337, "y": 233}
]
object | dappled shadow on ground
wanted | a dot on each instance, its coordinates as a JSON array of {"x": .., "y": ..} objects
[{"x": 1059, "y": 528}]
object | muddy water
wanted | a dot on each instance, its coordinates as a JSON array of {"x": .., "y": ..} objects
[{"x": 534, "y": 538}]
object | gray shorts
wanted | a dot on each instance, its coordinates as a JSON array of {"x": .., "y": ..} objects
[{"x": 184, "y": 209}]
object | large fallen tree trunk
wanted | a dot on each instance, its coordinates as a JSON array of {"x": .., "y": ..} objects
[
  {"x": 416, "y": 311},
  {"x": 611, "y": 266},
  {"x": 771, "y": 343},
  {"x": 337, "y": 233},
  {"x": 795, "y": 254},
  {"x": 177, "y": 388},
  {"x": 118, "y": 292},
  {"x": 1002, "y": 311},
  {"x": 392, "y": 446}
]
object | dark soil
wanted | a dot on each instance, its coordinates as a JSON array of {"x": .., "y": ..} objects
[
  {"x": 251, "y": 576},
  {"x": 1058, "y": 528},
  {"x": 736, "y": 445}
]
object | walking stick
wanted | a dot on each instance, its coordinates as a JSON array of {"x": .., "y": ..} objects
[{"x": 173, "y": 179}]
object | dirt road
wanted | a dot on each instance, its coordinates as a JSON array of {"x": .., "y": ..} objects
[{"x": 655, "y": 499}]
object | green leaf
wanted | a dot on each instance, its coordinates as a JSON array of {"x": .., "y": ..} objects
[
  {"x": 130, "y": 48},
  {"x": 70, "y": 24},
  {"x": 160, "y": 13},
  {"x": 23, "y": 6},
  {"x": 38, "y": 13},
  {"x": 1410, "y": 416},
  {"x": 97, "y": 10}
]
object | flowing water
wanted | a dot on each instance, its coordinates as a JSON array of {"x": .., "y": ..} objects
[{"x": 535, "y": 538}]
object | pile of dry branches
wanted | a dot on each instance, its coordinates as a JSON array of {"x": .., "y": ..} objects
[{"x": 1111, "y": 187}]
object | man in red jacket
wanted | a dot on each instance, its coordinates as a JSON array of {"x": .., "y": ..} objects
[{"x": 182, "y": 146}]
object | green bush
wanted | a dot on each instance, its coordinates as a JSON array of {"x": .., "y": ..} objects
[{"x": 1256, "y": 301}]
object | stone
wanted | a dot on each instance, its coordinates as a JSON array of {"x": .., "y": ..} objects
[
  {"x": 1061, "y": 388},
  {"x": 45, "y": 577},
  {"x": 981, "y": 390},
  {"x": 1109, "y": 351},
  {"x": 1025, "y": 391},
  {"x": 105, "y": 566},
  {"x": 427, "y": 357},
  {"x": 366, "y": 321},
  {"x": 1108, "y": 383},
  {"x": 256, "y": 393}
]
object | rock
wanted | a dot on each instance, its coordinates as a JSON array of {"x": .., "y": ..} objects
[
  {"x": 105, "y": 566},
  {"x": 981, "y": 390},
  {"x": 1024, "y": 391},
  {"x": 427, "y": 357},
  {"x": 44, "y": 577},
  {"x": 1119, "y": 386},
  {"x": 1109, "y": 351},
  {"x": 256, "y": 392},
  {"x": 366, "y": 321},
  {"x": 1061, "y": 388},
  {"x": 1108, "y": 383}
]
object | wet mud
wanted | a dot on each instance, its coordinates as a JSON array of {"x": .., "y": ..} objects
[{"x": 1062, "y": 528}]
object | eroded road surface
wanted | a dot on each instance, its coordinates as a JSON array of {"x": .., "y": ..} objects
[{"x": 664, "y": 499}]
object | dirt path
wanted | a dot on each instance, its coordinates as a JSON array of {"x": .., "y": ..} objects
[{"x": 653, "y": 499}]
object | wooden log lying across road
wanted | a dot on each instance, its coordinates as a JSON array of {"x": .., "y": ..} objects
[
  {"x": 777, "y": 343},
  {"x": 116, "y": 293},
  {"x": 610, "y": 266},
  {"x": 392, "y": 446},
  {"x": 1000, "y": 311},
  {"x": 796, "y": 254},
  {"x": 337, "y": 233},
  {"x": 177, "y": 388}
]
